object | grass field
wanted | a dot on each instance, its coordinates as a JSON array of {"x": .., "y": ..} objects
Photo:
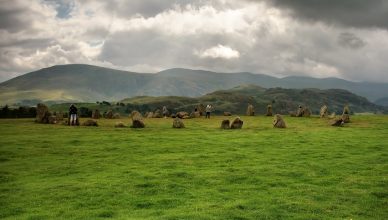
[{"x": 308, "y": 171}]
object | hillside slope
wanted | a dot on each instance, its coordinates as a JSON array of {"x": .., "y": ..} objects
[
  {"x": 235, "y": 100},
  {"x": 78, "y": 82}
]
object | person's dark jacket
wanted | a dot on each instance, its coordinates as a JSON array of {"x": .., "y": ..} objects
[{"x": 73, "y": 110}]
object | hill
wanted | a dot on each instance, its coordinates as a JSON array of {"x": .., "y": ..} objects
[
  {"x": 86, "y": 83},
  {"x": 235, "y": 100}
]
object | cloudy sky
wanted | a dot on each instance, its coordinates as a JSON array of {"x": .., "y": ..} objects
[{"x": 320, "y": 38}]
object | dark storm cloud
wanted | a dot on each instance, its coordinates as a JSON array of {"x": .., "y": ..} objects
[
  {"x": 11, "y": 17},
  {"x": 149, "y": 8},
  {"x": 355, "y": 13},
  {"x": 350, "y": 40}
]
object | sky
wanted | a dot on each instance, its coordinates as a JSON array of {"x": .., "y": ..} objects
[{"x": 320, "y": 38}]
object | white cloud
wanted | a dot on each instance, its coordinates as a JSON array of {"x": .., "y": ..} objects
[
  {"x": 219, "y": 51},
  {"x": 148, "y": 36}
]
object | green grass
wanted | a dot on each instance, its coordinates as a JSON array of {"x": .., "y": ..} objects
[{"x": 308, "y": 171}]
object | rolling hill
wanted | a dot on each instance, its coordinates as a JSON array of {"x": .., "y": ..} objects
[
  {"x": 86, "y": 83},
  {"x": 235, "y": 100}
]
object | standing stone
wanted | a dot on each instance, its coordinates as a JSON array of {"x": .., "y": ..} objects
[
  {"x": 323, "y": 112},
  {"x": 177, "y": 123},
  {"x": 59, "y": 116},
  {"x": 278, "y": 122},
  {"x": 96, "y": 114},
  {"x": 137, "y": 120},
  {"x": 237, "y": 123},
  {"x": 109, "y": 114},
  {"x": 116, "y": 116},
  {"x": 250, "y": 110},
  {"x": 201, "y": 109},
  {"x": 346, "y": 114},
  {"x": 225, "y": 124},
  {"x": 157, "y": 114},
  {"x": 42, "y": 113},
  {"x": 269, "y": 110}
]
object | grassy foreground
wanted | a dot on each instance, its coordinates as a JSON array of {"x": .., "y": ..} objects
[{"x": 307, "y": 171}]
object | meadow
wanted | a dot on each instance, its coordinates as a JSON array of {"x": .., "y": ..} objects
[{"x": 309, "y": 170}]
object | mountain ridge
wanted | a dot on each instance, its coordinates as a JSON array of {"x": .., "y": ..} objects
[{"x": 81, "y": 82}]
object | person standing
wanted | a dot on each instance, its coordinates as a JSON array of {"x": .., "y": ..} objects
[
  {"x": 208, "y": 111},
  {"x": 73, "y": 114}
]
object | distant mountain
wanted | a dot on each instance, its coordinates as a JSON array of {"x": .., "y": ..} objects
[
  {"x": 382, "y": 101},
  {"x": 78, "y": 82},
  {"x": 235, "y": 100}
]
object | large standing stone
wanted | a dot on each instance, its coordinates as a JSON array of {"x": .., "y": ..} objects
[
  {"x": 137, "y": 120},
  {"x": 225, "y": 124},
  {"x": 201, "y": 109},
  {"x": 278, "y": 122},
  {"x": 96, "y": 114},
  {"x": 42, "y": 113},
  {"x": 269, "y": 110},
  {"x": 323, "y": 112},
  {"x": 346, "y": 114},
  {"x": 136, "y": 115},
  {"x": 250, "y": 110},
  {"x": 237, "y": 123},
  {"x": 177, "y": 123}
]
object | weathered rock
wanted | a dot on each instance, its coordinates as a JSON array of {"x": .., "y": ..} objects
[
  {"x": 90, "y": 122},
  {"x": 195, "y": 115},
  {"x": 42, "y": 113},
  {"x": 52, "y": 119},
  {"x": 225, "y": 124},
  {"x": 120, "y": 125},
  {"x": 149, "y": 115},
  {"x": 292, "y": 114},
  {"x": 157, "y": 114},
  {"x": 278, "y": 122},
  {"x": 250, "y": 110},
  {"x": 346, "y": 110},
  {"x": 323, "y": 112},
  {"x": 177, "y": 123},
  {"x": 303, "y": 112},
  {"x": 332, "y": 115},
  {"x": 337, "y": 122},
  {"x": 269, "y": 110},
  {"x": 227, "y": 114},
  {"x": 116, "y": 116},
  {"x": 96, "y": 114},
  {"x": 201, "y": 109},
  {"x": 136, "y": 115},
  {"x": 109, "y": 114},
  {"x": 345, "y": 118},
  {"x": 237, "y": 123},
  {"x": 59, "y": 116},
  {"x": 136, "y": 123},
  {"x": 182, "y": 115}
]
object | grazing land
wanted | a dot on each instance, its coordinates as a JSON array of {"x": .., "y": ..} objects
[{"x": 309, "y": 170}]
